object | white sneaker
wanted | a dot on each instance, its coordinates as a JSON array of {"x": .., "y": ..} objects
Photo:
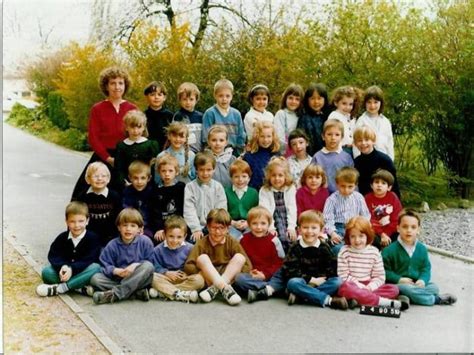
[
  {"x": 186, "y": 296},
  {"x": 44, "y": 290},
  {"x": 230, "y": 295},
  {"x": 209, "y": 294},
  {"x": 154, "y": 293}
]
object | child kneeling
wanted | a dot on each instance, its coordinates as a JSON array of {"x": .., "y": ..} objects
[
  {"x": 170, "y": 280},
  {"x": 218, "y": 257},
  {"x": 127, "y": 267}
]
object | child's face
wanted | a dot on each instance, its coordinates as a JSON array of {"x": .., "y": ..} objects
[
  {"x": 205, "y": 172},
  {"x": 139, "y": 181},
  {"x": 128, "y": 231},
  {"x": 277, "y": 177},
  {"x": 135, "y": 132},
  {"x": 265, "y": 139},
  {"x": 260, "y": 102},
  {"x": 380, "y": 187},
  {"x": 293, "y": 102},
  {"x": 99, "y": 179},
  {"x": 223, "y": 98},
  {"x": 217, "y": 142},
  {"x": 358, "y": 239},
  {"x": 408, "y": 229},
  {"x": 156, "y": 99},
  {"x": 314, "y": 182},
  {"x": 345, "y": 104},
  {"x": 167, "y": 174},
  {"x": 116, "y": 88},
  {"x": 240, "y": 179},
  {"x": 175, "y": 237},
  {"x": 345, "y": 188},
  {"x": 332, "y": 138},
  {"x": 259, "y": 226},
  {"x": 310, "y": 232},
  {"x": 76, "y": 224},
  {"x": 177, "y": 140},
  {"x": 299, "y": 145},
  {"x": 316, "y": 102},
  {"x": 188, "y": 102},
  {"x": 365, "y": 145},
  {"x": 372, "y": 106},
  {"x": 217, "y": 232}
]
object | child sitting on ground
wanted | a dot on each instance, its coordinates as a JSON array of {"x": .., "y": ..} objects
[
  {"x": 158, "y": 117},
  {"x": 73, "y": 255},
  {"x": 138, "y": 195},
  {"x": 104, "y": 204},
  {"x": 384, "y": 207},
  {"x": 310, "y": 266},
  {"x": 407, "y": 265},
  {"x": 219, "y": 258},
  {"x": 313, "y": 193},
  {"x": 299, "y": 142},
  {"x": 342, "y": 205},
  {"x": 266, "y": 253},
  {"x": 217, "y": 142},
  {"x": 169, "y": 257},
  {"x": 360, "y": 267},
  {"x": 202, "y": 195},
  {"x": 127, "y": 267},
  {"x": 240, "y": 197}
]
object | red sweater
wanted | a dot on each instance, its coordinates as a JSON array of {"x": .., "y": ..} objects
[
  {"x": 383, "y": 212},
  {"x": 106, "y": 126},
  {"x": 263, "y": 253},
  {"x": 305, "y": 200}
]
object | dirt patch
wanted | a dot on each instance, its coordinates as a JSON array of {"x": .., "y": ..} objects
[{"x": 38, "y": 324}]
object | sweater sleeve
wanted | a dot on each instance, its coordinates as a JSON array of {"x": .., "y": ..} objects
[
  {"x": 343, "y": 268},
  {"x": 208, "y": 120},
  {"x": 189, "y": 210},
  {"x": 221, "y": 199},
  {"x": 292, "y": 265},
  {"x": 266, "y": 199},
  {"x": 291, "y": 207},
  {"x": 425, "y": 267},
  {"x": 378, "y": 273},
  {"x": 156, "y": 262},
  {"x": 329, "y": 215},
  {"x": 391, "y": 228},
  {"x": 279, "y": 123},
  {"x": 364, "y": 210},
  {"x": 108, "y": 259},
  {"x": 190, "y": 266},
  {"x": 388, "y": 258}
]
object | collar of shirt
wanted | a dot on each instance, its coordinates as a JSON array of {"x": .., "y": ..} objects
[
  {"x": 76, "y": 240},
  {"x": 239, "y": 192},
  {"x": 201, "y": 183},
  {"x": 172, "y": 184},
  {"x": 104, "y": 192},
  {"x": 165, "y": 244},
  {"x": 128, "y": 141},
  {"x": 325, "y": 151},
  {"x": 410, "y": 249},
  {"x": 304, "y": 245},
  {"x": 218, "y": 243},
  {"x": 223, "y": 112}
]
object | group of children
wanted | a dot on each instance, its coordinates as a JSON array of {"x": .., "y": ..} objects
[{"x": 286, "y": 212}]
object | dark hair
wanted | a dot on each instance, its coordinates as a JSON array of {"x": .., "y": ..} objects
[
  {"x": 175, "y": 221},
  {"x": 258, "y": 89},
  {"x": 408, "y": 212},
  {"x": 322, "y": 91},
  {"x": 376, "y": 93},
  {"x": 219, "y": 216},
  {"x": 155, "y": 86},
  {"x": 384, "y": 175},
  {"x": 203, "y": 158},
  {"x": 295, "y": 90}
]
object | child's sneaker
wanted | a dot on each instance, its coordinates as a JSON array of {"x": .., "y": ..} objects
[
  {"x": 154, "y": 293},
  {"x": 86, "y": 290},
  {"x": 291, "y": 299},
  {"x": 339, "y": 303},
  {"x": 230, "y": 295},
  {"x": 44, "y": 290},
  {"x": 405, "y": 301},
  {"x": 100, "y": 297},
  {"x": 259, "y": 295},
  {"x": 186, "y": 296},
  {"x": 142, "y": 295},
  {"x": 209, "y": 294},
  {"x": 397, "y": 304},
  {"x": 446, "y": 299}
]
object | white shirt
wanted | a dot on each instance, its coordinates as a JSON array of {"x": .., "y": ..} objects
[{"x": 76, "y": 240}]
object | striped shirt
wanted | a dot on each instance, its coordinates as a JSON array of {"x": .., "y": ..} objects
[
  {"x": 361, "y": 265},
  {"x": 340, "y": 209}
]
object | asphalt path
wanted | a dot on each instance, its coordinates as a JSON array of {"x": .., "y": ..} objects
[{"x": 37, "y": 182}]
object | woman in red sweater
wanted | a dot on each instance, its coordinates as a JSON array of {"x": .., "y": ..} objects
[{"x": 106, "y": 127}]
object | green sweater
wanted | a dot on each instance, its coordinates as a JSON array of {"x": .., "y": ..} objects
[
  {"x": 398, "y": 264},
  {"x": 238, "y": 209}
]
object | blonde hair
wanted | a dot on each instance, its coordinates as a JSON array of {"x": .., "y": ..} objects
[
  {"x": 218, "y": 128},
  {"x": 167, "y": 159},
  {"x": 257, "y": 212},
  {"x": 258, "y": 130},
  {"x": 113, "y": 73},
  {"x": 365, "y": 132},
  {"x": 95, "y": 166},
  {"x": 277, "y": 162},
  {"x": 311, "y": 216},
  {"x": 223, "y": 84},
  {"x": 129, "y": 215},
  {"x": 77, "y": 208},
  {"x": 333, "y": 123},
  {"x": 139, "y": 167},
  {"x": 240, "y": 166},
  {"x": 135, "y": 118},
  {"x": 175, "y": 221},
  {"x": 347, "y": 174},
  {"x": 178, "y": 128},
  {"x": 314, "y": 170},
  {"x": 348, "y": 91},
  {"x": 203, "y": 158},
  {"x": 188, "y": 89}
]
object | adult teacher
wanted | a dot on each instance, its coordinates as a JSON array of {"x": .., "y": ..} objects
[{"x": 106, "y": 126}]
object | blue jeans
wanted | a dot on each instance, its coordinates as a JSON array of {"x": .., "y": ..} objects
[
  {"x": 245, "y": 282},
  {"x": 237, "y": 234},
  {"x": 50, "y": 276},
  {"x": 424, "y": 296},
  {"x": 341, "y": 230},
  {"x": 314, "y": 295}
]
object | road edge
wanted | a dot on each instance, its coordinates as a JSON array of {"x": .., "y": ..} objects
[
  {"x": 450, "y": 254},
  {"x": 110, "y": 345}
]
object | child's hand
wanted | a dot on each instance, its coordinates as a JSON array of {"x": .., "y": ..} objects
[
  {"x": 65, "y": 273},
  {"x": 159, "y": 235},
  {"x": 272, "y": 231},
  {"x": 243, "y": 225},
  {"x": 406, "y": 280},
  {"x": 120, "y": 272},
  {"x": 256, "y": 274},
  {"x": 335, "y": 238},
  {"x": 323, "y": 237},
  {"x": 110, "y": 161},
  {"x": 420, "y": 283},
  {"x": 175, "y": 276},
  {"x": 385, "y": 239},
  {"x": 197, "y": 235},
  {"x": 317, "y": 281},
  {"x": 292, "y": 234},
  {"x": 131, "y": 268}
]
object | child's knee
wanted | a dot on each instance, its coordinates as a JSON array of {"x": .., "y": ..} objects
[
  {"x": 203, "y": 259},
  {"x": 147, "y": 266},
  {"x": 239, "y": 258}
]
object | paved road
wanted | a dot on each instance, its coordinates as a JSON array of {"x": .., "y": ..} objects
[{"x": 38, "y": 179}]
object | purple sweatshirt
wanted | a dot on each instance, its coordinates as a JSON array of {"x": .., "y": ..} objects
[
  {"x": 331, "y": 162},
  {"x": 166, "y": 259}
]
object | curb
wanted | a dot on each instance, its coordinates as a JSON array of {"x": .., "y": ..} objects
[
  {"x": 90, "y": 323},
  {"x": 450, "y": 254}
]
